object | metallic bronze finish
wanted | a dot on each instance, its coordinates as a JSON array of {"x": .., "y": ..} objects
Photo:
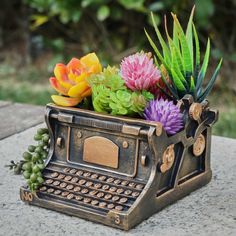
[
  {"x": 199, "y": 145},
  {"x": 195, "y": 111},
  {"x": 168, "y": 158}
]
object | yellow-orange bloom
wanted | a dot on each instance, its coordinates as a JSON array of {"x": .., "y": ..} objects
[{"x": 70, "y": 79}]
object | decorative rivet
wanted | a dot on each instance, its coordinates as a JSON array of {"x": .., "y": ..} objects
[
  {"x": 199, "y": 145},
  {"x": 79, "y": 134},
  {"x": 59, "y": 141},
  {"x": 125, "y": 144},
  {"x": 195, "y": 111},
  {"x": 143, "y": 160}
]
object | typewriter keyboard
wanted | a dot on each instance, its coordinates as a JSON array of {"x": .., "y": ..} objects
[{"x": 90, "y": 189}]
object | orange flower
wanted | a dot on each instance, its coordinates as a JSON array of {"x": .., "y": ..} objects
[{"x": 70, "y": 79}]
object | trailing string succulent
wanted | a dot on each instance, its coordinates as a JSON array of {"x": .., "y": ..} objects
[
  {"x": 33, "y": 160},
  {"x": 179, "y": 60}
]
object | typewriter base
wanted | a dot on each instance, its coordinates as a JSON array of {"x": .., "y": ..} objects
[{"x": 117, "y": 219}]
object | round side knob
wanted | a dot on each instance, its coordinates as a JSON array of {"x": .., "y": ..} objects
[
  {"x": 195, "y": 111},
  {"x": 199, "y": 145}
]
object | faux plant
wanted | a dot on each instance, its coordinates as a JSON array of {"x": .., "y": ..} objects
[{"x": 180, "y": 60}]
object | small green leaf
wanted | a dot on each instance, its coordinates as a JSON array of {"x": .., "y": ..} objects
[{"x": 103, "y": 12}]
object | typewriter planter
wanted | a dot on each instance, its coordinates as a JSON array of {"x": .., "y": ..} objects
[{"x": 119, "y": 171}]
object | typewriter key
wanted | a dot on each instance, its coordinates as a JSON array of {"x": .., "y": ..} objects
[
  {"x": 123, "y": 200},
  {"x": 86, "y": 174},
  {"x": 56, "y": 183},
  {"x": 68, "y": 178},
  {"x": 61, "y": 176},
  {"x": 102, "y": 204},
  {"x": 49, "y": 181},
  {"x": 69, "y": 187},
  {"x": 139, "y": 186},
  {"x": 44, "y": 188},
  {"x": 79, "y": 173},
  {"x": 108, "y": 196},
  {"x": 110, "y": 206},
  {"x": 102, "y": 178},
  {"x": 97, "y": 186},
  {"x": 93, "y": 192},
  {"x": 73, "y": 171},
  {"x": 57, "y": 192},
  {"x": 100, "y": 195},
  {"x": 110, "y": 180},
  {"x": 77, "y": 189},
  {"x": 70, "y": 196},
  {"x": 128, "y": 192},
  {"x": 105, "y": 187},
  {"x": 87, "y": 200},
  {"x": 64, "y": 194},
  {"x": 63, "y": 185},
  {"x": 66, "y": 170},
  {"x": 50, "y": 190},
  {"x": 88, "y": 184},
  {"x": 82, "y": 181},
  {"x": 74, "y": 180},
  {"x": 112, "y": 189},
  {"x": 79, "y": 198},
  {"x": 124, "y": 183},
  {"x": 135, "y": 194},
  {"x": 94, "y": 176},
  {"x": 119, "y": 208},
  {"x": 84, "y": 190},
  {"x": 120, "y": 190},
  {"x": 117, "y": 181},
  {"x": 132, "y": 185},
  {"x": 115, "y": 198},
  {"x": 54, "y": 174},
  {"x": 94, "y": 202}
]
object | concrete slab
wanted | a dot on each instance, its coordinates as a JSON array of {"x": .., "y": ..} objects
[{"x": 208, "y": 211}]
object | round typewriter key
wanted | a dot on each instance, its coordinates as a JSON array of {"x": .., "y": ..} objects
[
  {"x": 49, "y": 181},
  {"x": 79, "y": 173},
  {"x": 63, "y": 185},
  {"x": 105, "y": 187},
  {"x": 86, "y": 174},
  {"x": 64, "y": 194},
  {"x": 84, "y": 190},
  {"x": 120, "y": 190},
  {"x": 50, "y": 190},
  {"x": 132, "y": 185},
  {"x": 102, "y": 178},
  {"x": 123, "y": 200},
  {"x": 112, "y": 189},
  {"x": 139, "y": 186},
  {"x": 56, "y": 183},
  {"x": 44, "y": 188},
  {"x": 57, "y": 192},
  {"x": 82, "y": 181},
  {"x": 119, "y": 208},
  {"x": 93, "y": 192},
  {"x": 69, "y": 187},
  {"x": 70, "y": 196},
  {"x": 61, "y": 176},
  {"x": 115, "y": 198},
  {"x": 110, "y": 206},
  {"x": 89, "y": 184},
  {"x": 135, "y": 194},
  {"x": 98, "y": 185},
  {"x": 54, "y": 174},
  {"x": 117, "y": 181},
  {"x": 108, "y": 196},
  {"x": 66, "y": 170},
  {"x": 77, "y": 189},
  {"x": 73, "y": 171},
  {"x": 79, "y": 198},
  {"x": 109, "y": 180},
  {"x": 68, "y": 178},
  {"x": 124, "y": 183},
  {"x": 100, "y": 195},
  {"x": 128, "y": 192},
  {"x": 74, "y": 180},
  {"x": 94, "y": 202},
  {"x": 87, "y": 200},
  {"x": 94, "y": 176},
  {"x": 102, "y": 204}
]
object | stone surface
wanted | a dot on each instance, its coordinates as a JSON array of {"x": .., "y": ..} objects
[
  {"x": 210, "y": 210},
  {"x": 18, "y": 117}
]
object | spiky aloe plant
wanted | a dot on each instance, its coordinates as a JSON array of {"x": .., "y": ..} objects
[{"x": 180, "y": 60}]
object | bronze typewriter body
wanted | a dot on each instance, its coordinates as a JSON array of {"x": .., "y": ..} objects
[{"x": 119, "y": 171}]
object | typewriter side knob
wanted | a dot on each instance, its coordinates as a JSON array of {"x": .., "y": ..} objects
[
  {"x": 168, "y": 158},
  {"x": 195, "y": 111},
  {"x": 199, "y": 145}
]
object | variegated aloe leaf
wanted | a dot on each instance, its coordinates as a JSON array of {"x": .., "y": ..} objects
[{"x": 197, "y": 54}]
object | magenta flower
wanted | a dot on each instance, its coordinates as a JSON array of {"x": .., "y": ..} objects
[
  {"x": 165, "y": 112},
  {"x": 139, "y": 72}
]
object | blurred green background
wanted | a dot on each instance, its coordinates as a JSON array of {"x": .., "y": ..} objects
[{"x": 36, "y": 34}]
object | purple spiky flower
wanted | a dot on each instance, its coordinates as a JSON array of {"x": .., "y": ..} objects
[{"x": 165, "y": 112}]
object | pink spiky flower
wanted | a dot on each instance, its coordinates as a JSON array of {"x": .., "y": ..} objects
[{"x": 139, "y": 72}]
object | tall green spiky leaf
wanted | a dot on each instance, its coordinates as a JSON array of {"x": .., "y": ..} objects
[
  {"x": 197, "y": 53},
  {"x": 177, "y": 81},
  {"x": 192, "y": 86}
]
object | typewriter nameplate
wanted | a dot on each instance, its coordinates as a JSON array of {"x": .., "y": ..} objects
[{"x": 101, "y": 151}]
